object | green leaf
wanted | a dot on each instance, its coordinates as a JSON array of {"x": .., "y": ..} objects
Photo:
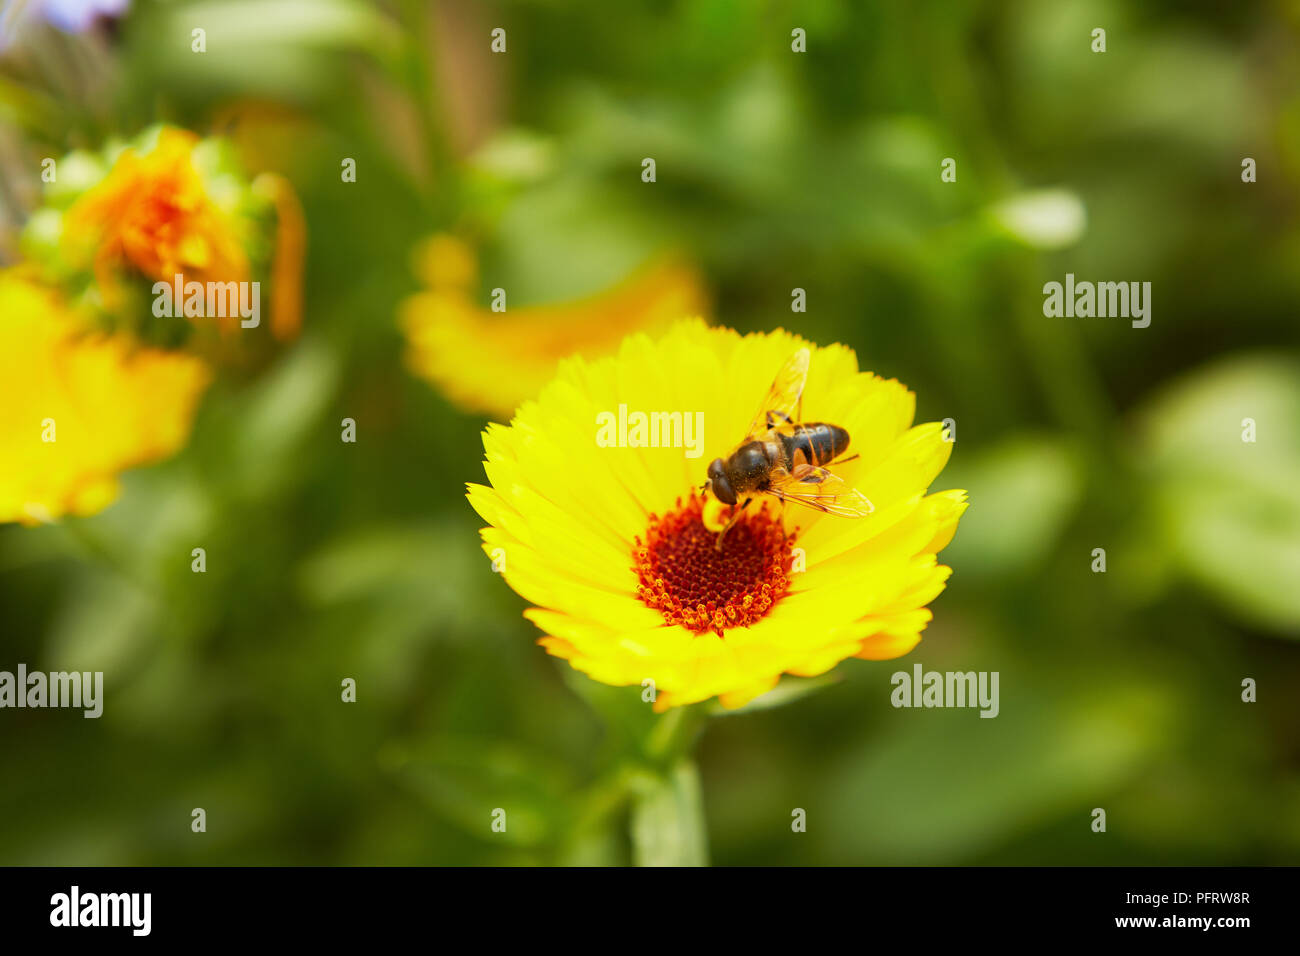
[
  {"x": 944, "y": 786},
  {"x": 1227, "y": 510},
  {"x": 788, "y": 691},
  {"x": 1043, "y": 219},
  {"x": 269, "y": 47},
  {"x": 286, "y": 24},
  {"x": 478, "y": 783},
  {"x": 277, "y": 418},
  {"x": 1022, "y": 493}
]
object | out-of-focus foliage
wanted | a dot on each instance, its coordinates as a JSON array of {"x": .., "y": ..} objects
[{"x": 775, "y": 170}]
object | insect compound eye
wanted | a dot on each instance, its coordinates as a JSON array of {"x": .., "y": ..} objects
[{"x": 719, "y": 484}]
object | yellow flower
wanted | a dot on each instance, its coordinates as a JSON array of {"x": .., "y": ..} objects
[
  {"x": 612, "y": 544},
  {"x": 153, "y": 214},
  {"x": 178, "y": 205},
  {"x": 106, "y": 403},
  {"x": 490, "y": 362}
]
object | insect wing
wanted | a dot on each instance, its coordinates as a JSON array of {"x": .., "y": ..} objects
[
  {"x": 781, "y": 403},
  {"x": 821, "y": 489}
]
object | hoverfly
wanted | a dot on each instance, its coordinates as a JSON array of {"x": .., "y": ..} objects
[{"x": 786, "y": 457}]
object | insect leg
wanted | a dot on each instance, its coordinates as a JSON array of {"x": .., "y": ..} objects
[{"x": 735, "y": 516}]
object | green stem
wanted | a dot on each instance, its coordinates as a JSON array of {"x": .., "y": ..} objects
[
  {"x": 668, "y": 822},
  {"x": 674, "y": 734},
  {"x": 95, "y": 550},
  {"x": 423, "y": 88}
]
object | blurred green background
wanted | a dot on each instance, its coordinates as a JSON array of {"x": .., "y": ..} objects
[{"x": 776, "y": 170}]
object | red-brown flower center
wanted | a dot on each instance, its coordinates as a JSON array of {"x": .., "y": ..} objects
[{"x": 684, "y": 576}]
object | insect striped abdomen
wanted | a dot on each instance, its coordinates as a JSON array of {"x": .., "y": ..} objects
[{"x": 816, "y": 443}]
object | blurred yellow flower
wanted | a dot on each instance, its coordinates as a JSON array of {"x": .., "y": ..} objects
[
  {"x": 612, "y": 546},
  {"x": 80, "y": 406},
  {"x": 153, "y": 213},
  {"x": 490, "y": 362},
  {"x": 175, "y": 204}
]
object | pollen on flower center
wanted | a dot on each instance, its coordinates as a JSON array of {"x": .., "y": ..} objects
[{"x": 684, "y": 576}]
